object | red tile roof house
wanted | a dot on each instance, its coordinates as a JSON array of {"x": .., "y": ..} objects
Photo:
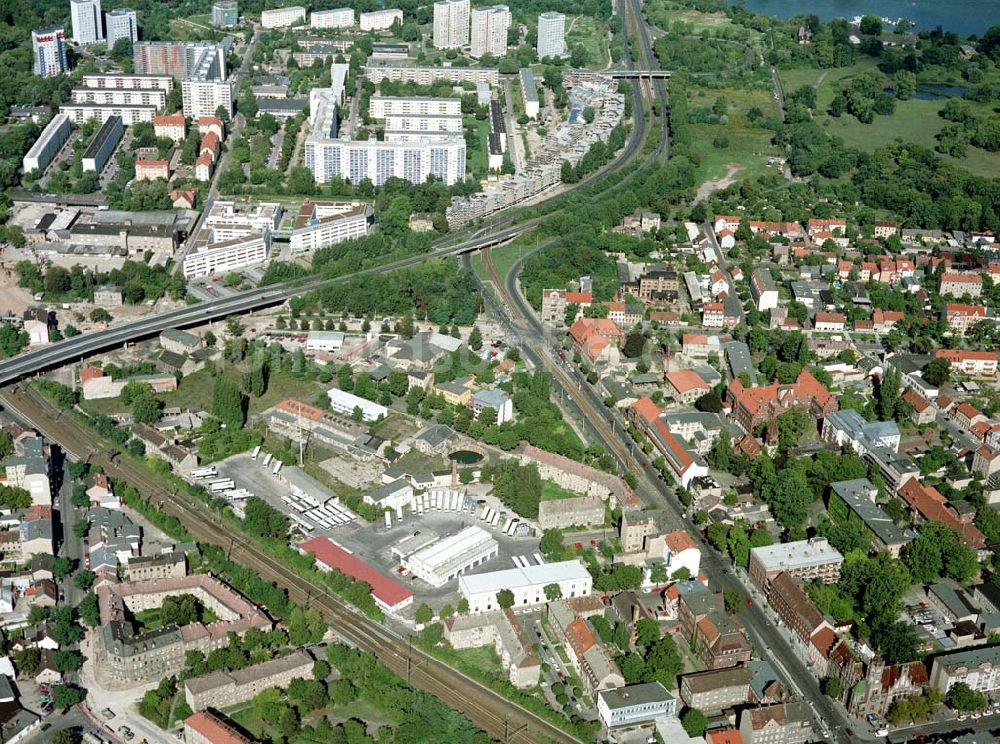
[
  {"x": 930, "y": 505},
  {"x": 687, "y": 385},
  {"x": 596, "y": 339},
  {"x": 390, "y": 595},
  {"x": 756, "y": 405}
]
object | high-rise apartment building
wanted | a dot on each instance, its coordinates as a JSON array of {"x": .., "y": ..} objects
[
  {"x": 225, "y": 13},
  {"x": 489, "y": 30},
  {"x": 48, "y": 47},
  {"x": 451, "y": 24},
  {"x": 86, "y": 17},
  {"x": 551, "y": 35},
  {"x": 121, "y": 24},
  {"x": 440, "y": 156},
  {"x": 178, "y": 58}
]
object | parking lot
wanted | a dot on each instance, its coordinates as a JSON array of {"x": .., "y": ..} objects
[{"x": 373, "y": 543}]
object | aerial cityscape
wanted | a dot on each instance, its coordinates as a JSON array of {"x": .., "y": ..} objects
[{"x": 551, "y": 371}]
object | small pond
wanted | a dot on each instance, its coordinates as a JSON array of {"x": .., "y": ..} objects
[{"x": 465, "y": 457}]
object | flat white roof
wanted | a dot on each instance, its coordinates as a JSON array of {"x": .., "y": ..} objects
[
  {"x": 800, "y": 554},
  {"x": 348, "y": 401},
  {"x": 518, "y": 578},
  {"x": 455, "y": 549}
]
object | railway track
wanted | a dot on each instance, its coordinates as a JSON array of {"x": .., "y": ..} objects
[{"x": 498, "y": 716}]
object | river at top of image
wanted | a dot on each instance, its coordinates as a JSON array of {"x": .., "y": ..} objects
[{"x": 964, "y": 17}]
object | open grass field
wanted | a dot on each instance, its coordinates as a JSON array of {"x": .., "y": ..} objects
[
  {"x": 749, "y": 146},
  {"x": 587, "y": 31},
  {"x": 477, "y": 158},
  {"x": 664, "y": 13},
  {"x": 915, "y": 120}
]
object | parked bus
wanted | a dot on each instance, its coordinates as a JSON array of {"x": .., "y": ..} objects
[
  {"x": 256, "y": 451},
  {"x": 388, "y": 520},
  {"x": 267, "y": 459},
  {"x": 221, "y": 485},
  {"x": 277, "y": 468},
  {"x": 208, "y": 472}
]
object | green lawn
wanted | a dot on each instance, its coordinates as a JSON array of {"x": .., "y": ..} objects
[
  {"x": 553, "y": 492},
  {"x": 914, "y": 120},
  {"x": 477, "y": 158},
  {"x": 749, "y": 146},
  {"x": 394, "y": 427},
  {"x": 483, "y": 658},
  {"x": 587, "y": 31}
]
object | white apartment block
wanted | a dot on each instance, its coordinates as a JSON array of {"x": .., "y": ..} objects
[
  {"x": 81, "y": 112},
  {"x": 52, "y": 138},
  {"x": 86, "y": 18},
  {"x": 383, "y": 106},
  {"x": 419, "y": 137},
  {"x": 378, "y": 161},
  {"x": 324, "y": 223},
  {"x": 451, "y": 24},
  {"x": 527, "y": 584},
  {"x": 120, "y": 97},
  {"x": 551, "y": 35},
  {"x": 229, "y": 255},
  {"x": 282, "y": 17},
  {"x": 174, "y": 127},
  {"x": 203, "y": 97},
  {"x": 116, "y": 81},
  {"x": 408, "y": 123},
  {"x": 336, "y": 18},
  {"x": 380, "y": 20},
  {"x": 121, "y": 24},
  {"x": 378, "y": 70},
  {"x": 489, "y": 28}
]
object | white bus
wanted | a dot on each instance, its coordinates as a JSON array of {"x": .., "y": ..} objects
[
  {"x": 487, "y": 513},
  {"x": 267, "y": 459},
  {"x": 538, "y": 559},
  {"x": 208, "y": 472},
  {"x": 511, "y": 526},
  {"x": 277, "y": 468},
  {"x": 388, "y": 520},
  {"x": 222, "y": 485},
  {"x": 256, "y": 451},
  {"x": 495, "y": 520}
]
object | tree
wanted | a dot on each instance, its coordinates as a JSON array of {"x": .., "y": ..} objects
[
  {"x": 147, "y": 409},
  {"x": 731, "y": 600},
  {"x": 61, "y": 566},
  {"x": 505, "y": 598},
  {"x": 694, "y": 722},
  {"x": 663, "y": 662},
  {"x": 938, "y": 371},
  {"x": 228, "y": 403},
  {"x": 962, "y": 697},
  {"x": 898, "y": 643},
  {"x": 423, "y": 615},
  {"x": 832, "y": 687},
  {"x": 463, "y": 606},
  {"x": 89, "y": 611},
  {"x": 83, "y": 580},
  {"x": 475, "y": 339},
  {"x": 65, "y": 697},
  {"x": 553, "y": 592},
  {"x": 80, "y": 528},
  {"x": 66, "y": 736},
  {"x": 709, "y": 402}
]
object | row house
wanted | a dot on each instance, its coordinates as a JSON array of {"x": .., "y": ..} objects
[
  {"x": 829, "y": 322},
  {"x": 555, "y": 302},
  {"x": 835, "y": 225},
  {"x": 962, "y": 317},
  {"x": 927, "y": 503},
  {"x": 685, "y": 463},
  {"x": 597, "y": 339},
  {"x": 884, "y": 321},
  {"x": 717, "y": 638}
]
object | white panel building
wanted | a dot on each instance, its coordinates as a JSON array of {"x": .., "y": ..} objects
[
  {"x": 451, "y": 24},
  {"x": 409, "y": 123},
  {"x": 378, "y": 70},
  {"x": 528, "y": 585},
  {"x": 120, "y": 97},
  {"x": 380, "y": 20},
  {"x": 323, "y": 223},
  {"x": 551, "y": 35},
  {"x": 489, "y": 28},
  {"x": 81, "y": 112},
  {"x": 282, "y": 17},
  {"x": 86, "y": 18},
  {"x": 229, "y": 255},
  {"x": 203, "y": 97},
  {"x": 121, "y": 24},
  {"x": 449, "y": 557},
  {"x": 115, "y": 80},
  {"x": 382, "y": 106},
  {"x": 378, "y": 161},
  {"x": 335, "y": 18},
  {"x": 344, "y": 402},
  {"x": 52, "y": 138}
]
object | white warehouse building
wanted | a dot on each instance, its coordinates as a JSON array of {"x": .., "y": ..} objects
[
  {"x": 449, "y": 557},
  {"x": 344, "y": 402},
  {"x": 528, "y": 585},
  {"x": 52, "y": 138}
]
